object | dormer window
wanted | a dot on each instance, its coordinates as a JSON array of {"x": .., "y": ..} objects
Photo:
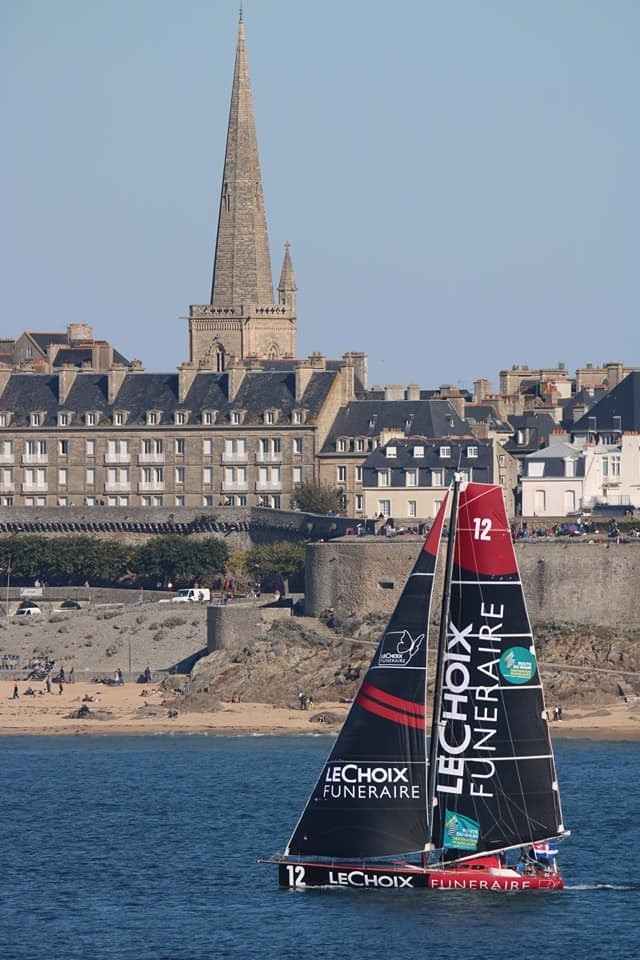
[
  {"x": 418, "y": 451},
  {"x": 445, "y": 452},
  {"x": 5, "y": 419},
  {"x": 208, "y": 417},
  {"x": 119, "y": 418},
  {"x": 270, "y": 416},
  {"x": 341, "y": 445},
  {"x": 35, "y": 419},
  {"x": 360, "y": 444},
  {"x": 472, "y": 453},
  {"x": 391, "y": 453},
  {"x": 90, "y": 419},
  {"x": 152, "y": 418},
  {"x": 181, "y": 417},
  {"x": 298, "y": 416},
  {"x": 236, "y": 416},
  {"x": 63, "y": 419}
]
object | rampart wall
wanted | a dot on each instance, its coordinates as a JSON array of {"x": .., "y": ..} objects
[{"x": 574, "y": 581}]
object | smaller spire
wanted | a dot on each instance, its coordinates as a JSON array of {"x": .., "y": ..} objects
[
  {"x": 287, "y": 285},
  {"x": 241, "y": 15}
]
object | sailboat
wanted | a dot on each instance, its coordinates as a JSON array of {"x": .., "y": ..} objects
[{"x": 463, "y": 796}]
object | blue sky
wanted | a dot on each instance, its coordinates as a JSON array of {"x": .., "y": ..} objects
[{"x": 458, "y": 179}]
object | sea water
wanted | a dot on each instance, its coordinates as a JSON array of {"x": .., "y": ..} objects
[{"x": 115, "y": 848}]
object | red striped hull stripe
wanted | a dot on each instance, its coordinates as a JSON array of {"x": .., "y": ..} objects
[
  {"x": 407, "y": 706},
  {"x": 404, "y": 719}
]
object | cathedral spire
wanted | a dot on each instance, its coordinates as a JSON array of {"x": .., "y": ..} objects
[
  {"x": 242, "y": 264},
  {"x": 287, "y": 285}
]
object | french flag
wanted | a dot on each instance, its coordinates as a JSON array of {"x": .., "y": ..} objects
[{"x": 545, "y": 850}]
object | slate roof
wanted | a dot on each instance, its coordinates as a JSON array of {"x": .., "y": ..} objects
[
  {"x": 144, "y": 392},
  {"x": 430, "y": 460},
  {"x": 623, "y": 402},
  {"x": 554, "y": 456},
  {"x": 79, "y": 355},
  {"x": 537, "y": 428},
  {"x": 368, "y": 418},
  {"x": 486, "y": 413}
]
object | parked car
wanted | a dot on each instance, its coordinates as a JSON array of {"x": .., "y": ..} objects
[
  {"x": 191, "y": 595},
  {"x": 31, "y": 611}
]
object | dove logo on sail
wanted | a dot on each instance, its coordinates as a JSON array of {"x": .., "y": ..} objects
[{"x": 398, "y": 648}]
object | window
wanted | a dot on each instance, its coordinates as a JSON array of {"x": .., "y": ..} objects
[
  {"x": 179, "y": 448},
  {"x": 146, "y": 501},
  {"x": 235, "y": 416},
  {"x": 418, "y": 451},
  {"x": 297, "y": 474},
  {"x": 411, "y": 477},
  {"x": 118, "y": 419},
  {"x": 63, "y": 420},
  {"x": 3, "y": 420},
  {"x": 62, "y": 501},
  {"x": 540, "y": 501},
  {"x": 360, "y": 445},
  {"x": 242, "y": 500},
  {"x": 269, "y": 416},
  {"x": 359, "y": 502},
  {"x": 297, "y": 416},
  {"x": 62, "y": 476},
  {"x": 207, "y": 448},
  {"x": 391, "y": 453},
  {"x": 152, "y": 418},
  {"x": 297, "y": 445},
  {"x": 90, "y": 476},
  {"x": 207, "y": 475},
  {"x": 91, "y": 448},
  {"x": 179, "y": 501},
  {"x": 384, "y": 507},
  {"x": 535, "y": 469},
  {"x": 472, "y": 453},
  {"x": 342, "y": 474},
  {"x": 207, "y": 418},
  {"x": 614, "y": 463},
  {"x": 179, "y": 474},
  {"x": 358, "y": 474},
  {"x": 91, "y": 419},
  {"x": 181, "y": 418},
  {"x": 502, "y": 460},
  {"x": 341, "y": 445},
  {"x": 445, "y": 452},
  {"x": 437, "y": 478},
  {"x": 35, "y": 419},
  {"x": 569, "y": 468},
  {"x": 384, "y": 478},
  {"x": 63, "y": 448},
  {"x": 207, "y": 501},
  {"x": 412, "y": 508},
  {"x": 275, "y": 499}
]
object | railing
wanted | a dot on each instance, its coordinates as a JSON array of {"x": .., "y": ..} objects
[
  {"x": 118, "y": 487},
  {"x": 235, "y": 457},
  {"x": 268, "y": 485},
  {"x": 151, "y": 458},
  {"x": 235, "y": 486},
  {"x": 35, "y": 487},
  {"x": 117, "y": 458},
  {"x": 35, "y": 458},
  {"x": 150, "y": 486},
  {"x": 268, "y": 457}
]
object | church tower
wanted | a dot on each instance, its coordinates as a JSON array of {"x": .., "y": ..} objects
[{"x": 242, "y": 319}]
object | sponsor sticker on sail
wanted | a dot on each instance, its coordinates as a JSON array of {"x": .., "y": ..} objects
[
  {"x": 398, "y": 648},
  {"x": 460, "y": 833},
  {"x": 517, "y": 665}
]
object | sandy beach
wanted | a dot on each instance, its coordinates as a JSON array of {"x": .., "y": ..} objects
[{"x": 137, "y": 709}]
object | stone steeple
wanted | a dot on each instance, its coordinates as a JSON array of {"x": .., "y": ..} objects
[
  {"x": 242, "y": 265},
  {"x": 242, "y": 318}
]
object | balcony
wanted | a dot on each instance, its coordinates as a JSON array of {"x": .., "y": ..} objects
[
  {"x": 235, "y": 457},
  {"x": 268, "y": 486},
  {"x": 150, "y": 486},
  {"x": 6, "y": 458},
  {"x": 7, "y": 487},
  {"x": 117, "y": 487},
  {"x": 35, "y": 487},
  {"x": 262, "y": 457},
  {"x": 111, "y": 458},
  {"x": 30, "y": 459},
  {"x": 151, "y": 458},
  {"x": 235, "y": 486}
]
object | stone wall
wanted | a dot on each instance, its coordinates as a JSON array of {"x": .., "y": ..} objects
[
  {"x": 235, "y": 625},
  {"x": 575, "y": 581}
]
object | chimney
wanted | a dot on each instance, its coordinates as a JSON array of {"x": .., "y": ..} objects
[
  {"x": 186, "y": 375},
  {"x": 394, "y": 391},
  {"x": 115, "y": 378},
  {"x": 79, "y": 333},
  {"x": 413, "y": 391},
  {"x": 361, "y": 369},
  {"x": 101, "y": 356},
  {"x": 66, "y": 378},
  {"x": 5, "y": 373},
  {"x": 235, "y": 376},
  {"x": 347, "y": 378},
  {"x": 304, "y": 372},
  {"x": 481, "y": 390}
]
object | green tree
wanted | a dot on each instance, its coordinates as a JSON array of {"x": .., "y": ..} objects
[
  {"x": 284, "y": 558},
  {"x": 317, "y": 498},
  {"x": 181, "y": 560}
]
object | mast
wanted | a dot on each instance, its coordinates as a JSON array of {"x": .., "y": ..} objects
[{"x": 442, "y": 643}]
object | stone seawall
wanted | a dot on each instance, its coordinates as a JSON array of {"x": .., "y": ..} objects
[{"x": 574, "y": 581}]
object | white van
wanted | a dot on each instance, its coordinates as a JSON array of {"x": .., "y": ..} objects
[
  {"x": 28, "y": 612},
  {"x": 191, "y": 595}
]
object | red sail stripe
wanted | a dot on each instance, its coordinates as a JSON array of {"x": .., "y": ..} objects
[
  {"x": 408, "y": 705},
  {"x": 402, "y": 718}
]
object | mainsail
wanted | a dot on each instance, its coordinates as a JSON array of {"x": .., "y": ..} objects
[
  {"x": 370, "y": 799},
  {"x": 495, "y": 783}
]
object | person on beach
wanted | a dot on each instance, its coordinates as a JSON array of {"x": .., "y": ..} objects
[
  {"x": 15, "y": 692},
  {"x": 48, "y": 683},
  {"x": 72, "y": 678},
  {"x": 60, "y": 687},
  {"x": 147, "y": 675}
]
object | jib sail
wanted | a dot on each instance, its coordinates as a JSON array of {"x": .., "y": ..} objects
[
  {"x": 495, "y": 782},
  {"x": 370, "y": 799}
]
